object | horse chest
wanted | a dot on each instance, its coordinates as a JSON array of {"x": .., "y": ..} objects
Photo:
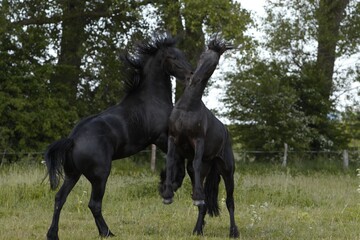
[{"x": 186, "y": 123}]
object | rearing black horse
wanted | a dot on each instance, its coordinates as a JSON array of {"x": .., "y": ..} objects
[
  {"x": 140, "y": 119},
  {"x": 196, "y": 134}
]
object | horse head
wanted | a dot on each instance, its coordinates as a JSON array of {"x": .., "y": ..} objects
[
  {"x": 174, "y": 61},
  {"x": 210, "y": 59},
  {"x": 156, "y": 57}
]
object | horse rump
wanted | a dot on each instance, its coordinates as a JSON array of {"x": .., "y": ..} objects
[{"x": 56, "y": 155}]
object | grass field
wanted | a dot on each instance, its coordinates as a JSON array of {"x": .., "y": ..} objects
[{"x": 270, "y": 204}]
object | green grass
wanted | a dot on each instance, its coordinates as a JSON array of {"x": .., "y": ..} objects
[{"x": 270, "y": 204}]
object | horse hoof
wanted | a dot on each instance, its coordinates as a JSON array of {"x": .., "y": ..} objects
[
  {"x": 234, "y": 233},
  {"x": 199, "y": 202},
  {"x": 167, "y": 201}
]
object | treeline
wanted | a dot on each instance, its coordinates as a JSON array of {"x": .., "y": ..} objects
[{"x": 59, "y": 62}]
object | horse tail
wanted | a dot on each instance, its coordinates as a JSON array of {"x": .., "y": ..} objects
[
  {"x": 212, "y": 191},
  {"x": 56, "y": 155}
]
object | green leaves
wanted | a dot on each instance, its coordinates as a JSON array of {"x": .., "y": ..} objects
[
  {"x": 55, "y": 70},
  {"x": 265, "y": 108},
  {"x": 286, "y": 95}
]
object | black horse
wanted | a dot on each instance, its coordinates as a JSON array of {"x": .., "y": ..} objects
[
  {"x": 201, "y": 138},
  {"x": 140, "y": 119}
]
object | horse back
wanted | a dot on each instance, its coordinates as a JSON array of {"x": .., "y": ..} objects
[{"x": 122, "y": 130}]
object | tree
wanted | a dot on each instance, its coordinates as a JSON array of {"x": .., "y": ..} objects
[
  {"x": 195, "y": 20},
  {"x": 64, "y": 57},
  {"x": 84, "y": 31},
  {"x": 27, "y": 110},
  {"x": 351, "y": 124},
  {"x": 307, "y": 37},
  {"x": 54, "y": 56},
  {"x": 263, "y": 103}
]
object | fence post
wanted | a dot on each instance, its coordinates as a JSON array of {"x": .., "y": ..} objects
[
  {"x": 3, "y": 158},
  {"x": 285, "y": 155},
  {"x": 153, "y": 157},
  {"x": 345, "y": 159}
]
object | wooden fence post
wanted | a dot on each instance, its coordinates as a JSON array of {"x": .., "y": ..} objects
[
  {"x": 345, "y": 159},
  {"x": 285, "y": 155},
  {"x": 153, "y": 157},
  {"x": 3, "y": 158}
]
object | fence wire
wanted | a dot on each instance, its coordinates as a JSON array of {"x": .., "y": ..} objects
[{"x": 240, "y": 155}]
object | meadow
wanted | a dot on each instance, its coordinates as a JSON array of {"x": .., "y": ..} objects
[{"x": 271, "y": 203}]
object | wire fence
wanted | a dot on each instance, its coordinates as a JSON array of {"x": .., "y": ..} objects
[{"x": 343, "y": 158}]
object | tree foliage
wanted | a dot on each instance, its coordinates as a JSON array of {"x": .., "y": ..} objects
[
  {"x": 196, "y": 20},
  {"x": 303, "y": 41},
  {"x": 265, "y": 105},
  {"x": 60, "y": 59}
]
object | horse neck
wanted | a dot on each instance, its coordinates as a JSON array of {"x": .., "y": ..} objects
[
  {"x": 157, "y": 83},
  {"x": 192, "y": 95}
]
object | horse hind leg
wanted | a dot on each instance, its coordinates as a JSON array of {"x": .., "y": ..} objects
[
  {"x": 228, "y": 177},
  {"x": 200, "y": 223},
  {"x": 60, "y": 200},
  {"x": 234, "y": 232},
  {"x": 95, "y": 204}
]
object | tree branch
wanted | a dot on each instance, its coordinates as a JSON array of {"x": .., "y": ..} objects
[{"x": 96, "y": 14}]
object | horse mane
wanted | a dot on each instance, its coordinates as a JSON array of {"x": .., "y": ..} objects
[{"x": 135, "y": 60}]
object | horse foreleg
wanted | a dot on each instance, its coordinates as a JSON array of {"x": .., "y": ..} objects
[
  {"x": 60, "y": 199},
  {"x": 179, "y": 172},
  {"x": 198, "y": 191},
  {"x": 168, "y": 192}
]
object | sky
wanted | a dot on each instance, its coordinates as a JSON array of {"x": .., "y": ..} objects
[{"x": 256, "y": 6}]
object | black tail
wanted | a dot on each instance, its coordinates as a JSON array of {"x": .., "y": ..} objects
[
  {"x": 55, "y": 157},
  {"x": 212, "y": 191}
]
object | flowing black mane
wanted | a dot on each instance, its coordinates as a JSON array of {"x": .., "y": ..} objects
[{"x": 135, "y": 61}]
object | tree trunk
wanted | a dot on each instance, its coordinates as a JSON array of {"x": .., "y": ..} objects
[
  {"x": 329, "y": 16},
  {"x": 65, "y": 79}
]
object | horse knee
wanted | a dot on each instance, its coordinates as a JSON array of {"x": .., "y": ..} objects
[{"x": 198, "y": 194}]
